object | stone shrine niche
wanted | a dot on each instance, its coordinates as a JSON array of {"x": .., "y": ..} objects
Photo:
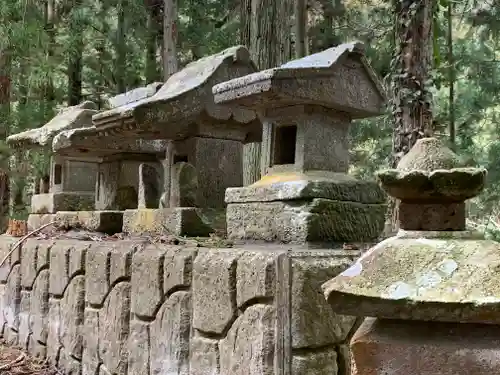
[
  {"x": 306, "y": 107},
  {"x": 203, "y": 146},
  {"x": 71, "y": 180}
]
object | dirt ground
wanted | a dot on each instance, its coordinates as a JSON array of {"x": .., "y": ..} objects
[{"x": 15, "y": 362}]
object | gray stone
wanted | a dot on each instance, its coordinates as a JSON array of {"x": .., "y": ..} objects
[
  {"x": 178, "y": 269},
  {"x": 316, "y": 363},
  {"x": 255, "y": 277},
  {"x": 39, "y": 309},
  {"x": 205, "y": 357},
  {"x": 71, "y": 317},
  {"x": 110, "y": 222},
  {"x": 139, "y": 348},
  {"x": 35, "y": 221},
  {"x": 62, "y": 201},
  {"x": 184, "y": 185},
  {"x": 24, "y": 332},
  {"x": 149, "y": 186},
  {"x": 319, "y": 220},
  {"x": 91, "y": 357},
  {"x": 248, "y": 347},
  {"x": 54, "y": 342},
  {"x": 177, "y": 221},
  {"x": 170, "y": 342},
  {"x": 134, "y": 95},
  {"x": 214, "y": 290}
]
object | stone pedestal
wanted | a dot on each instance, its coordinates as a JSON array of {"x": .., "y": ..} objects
[
  {"x": 434, "y": 294},
  {"x": 63, "y": 201},
  {"x": 180, "y": 221}
]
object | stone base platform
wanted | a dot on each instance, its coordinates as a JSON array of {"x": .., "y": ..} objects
[
  {"x": 129, "y": 307},
  {"x": 65, "y": 201},
  {"x": 320, "y": 206},
  {"x": 109, "y": 222},
  {"x": 426, "y": 348},
  {"x": 35, "y": 221},
  {"x": 180, "y": 221}
]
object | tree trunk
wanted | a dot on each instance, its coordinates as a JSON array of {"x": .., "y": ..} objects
[
  {"x": 169, "y": 38},
  {"x": 5, "y": 82},
  {"x": 265, "y": 30},
  {"x": 121, "y": 50},
  {"x": 300, "y": 28},
  {"x": 75, "y": 65},
  {"x": 451, "y": 76},
  {"x": 410, "y": 81},
  {"x": 154, "y": 27}
]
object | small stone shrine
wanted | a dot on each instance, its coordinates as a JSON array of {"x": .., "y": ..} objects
[
  {"x": 72, "y": 178},
  {"x": 305, "y": 194},
  {"x": 129, "y": 169},
  {"x": 433, "y": 289},
  {"x": 203, "y": 155}
]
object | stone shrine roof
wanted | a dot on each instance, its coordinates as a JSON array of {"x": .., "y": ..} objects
[
  {"x": 425, "y": 275},
  {"x": 171, "y": 113},
  {"x": 339, "y": 78},
  {"x": 77, "y": 116}
]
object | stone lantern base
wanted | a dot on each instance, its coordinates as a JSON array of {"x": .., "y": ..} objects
[
  {"x": 399, "y": 347},
  {"x": 297, "y": 208}
]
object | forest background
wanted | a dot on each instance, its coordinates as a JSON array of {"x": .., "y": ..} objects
[{"x": 440, "y": 61}]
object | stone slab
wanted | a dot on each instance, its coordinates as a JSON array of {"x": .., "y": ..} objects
[
  {"x": 402, "y": 348},
  {"x": 95, "y": 221},
  {"x": 301, "y": 186},
  {"x": 317, "y": 220},
  {"x": 450, "y": 280},
  {"x": 180, "y": 221},
  {"x": 35, "y": 221},
  {"x": 51, "y": 203}
]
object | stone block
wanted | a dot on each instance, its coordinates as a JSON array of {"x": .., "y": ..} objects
[
  {"x": 180, "y": 221},
  {"x": 6, "y": 243},
  {"x": 318, "y": 220},
  {"x": 205, "y": 356},
  {"x": 65, "y": 263},
  {"x": 410, "y": 347},
  {"x": 248, "y": 347},
  {"x": 313, "y": 322},
  {"x": 95, "y": 221},
  {"x": 139, "y": 348},
  {"x": 50, "y": 203},
  {"x": 35, "y": 221},
  {"x": 323, "y": 361},
  {"x": 214, "y": 290},
  {"x": 170, "y": 341}
]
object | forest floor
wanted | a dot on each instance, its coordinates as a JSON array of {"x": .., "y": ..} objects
[{"x": 15, "y": 362}]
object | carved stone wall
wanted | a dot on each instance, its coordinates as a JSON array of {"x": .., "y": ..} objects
[{"x": 132, "y": 308}]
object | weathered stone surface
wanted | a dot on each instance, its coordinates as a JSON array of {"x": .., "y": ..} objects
[
  {"x": 24, "y": 317},
  {"x": 114, "y": 329},
  {"x": 319, "y": 220},
  {"x": 149, "y": 186},
  {"x": 178, "y": 269},
  {"x": 54, "y": 343},
  {"x": 65, "y": 263},
  {"x": 214, "y": 290},
  {"x": 39, "y": 308},
  {"x": 248, "y": 347},
  {"x": 139, "y": 348},
  {"x": 94, "y": 221},
  {"x": 63, "y": 201},
  {"x": 170, "y": 342},
  {"x": 69, "y": 364},
  {"x": 450, "y": 280},
  {"x": 71, "y": 117},
  {"x": 134, "y": 95},
  {"x": 177, "y": 221},
  {"x": 255, "y": 276},
  {"x": 401, "y": 348},
  {"x": 11, "y": 259},
  {"x": 91, "y": 358},
  {"x": 355, "y": 89},
  {"x": 12, "y": 305},
  {"x": 35, "y": 258},
  {"x": 316, "y": 363},
  {"x": 305, "y": 186},
  {"x": 35, "y": 221},
  {"x": 184, "y": 185},
  {"x": 71, "y": 319},
  {"x": 205, "y": 357},
  {"x": 313, "y": 322},
  {"x": 147, "y": 281}
]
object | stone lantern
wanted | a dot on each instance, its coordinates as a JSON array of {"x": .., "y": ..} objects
[
  {"x": 433, "y": 289},
  {"x": 305, "y": 194}
]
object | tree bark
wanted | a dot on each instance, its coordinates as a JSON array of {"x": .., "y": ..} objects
[
  {"x": 5, "y": 114},
  {"x": 300, "y": 28},
  {"x": 265, "y": 30},
  {"x": 121, "y": 50},
  {"x": 410, "y": 82},
  {"x": 75, "y": 65},
  {"x": 169, "y": 38},
  {"x": 154, "y": 27}
]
